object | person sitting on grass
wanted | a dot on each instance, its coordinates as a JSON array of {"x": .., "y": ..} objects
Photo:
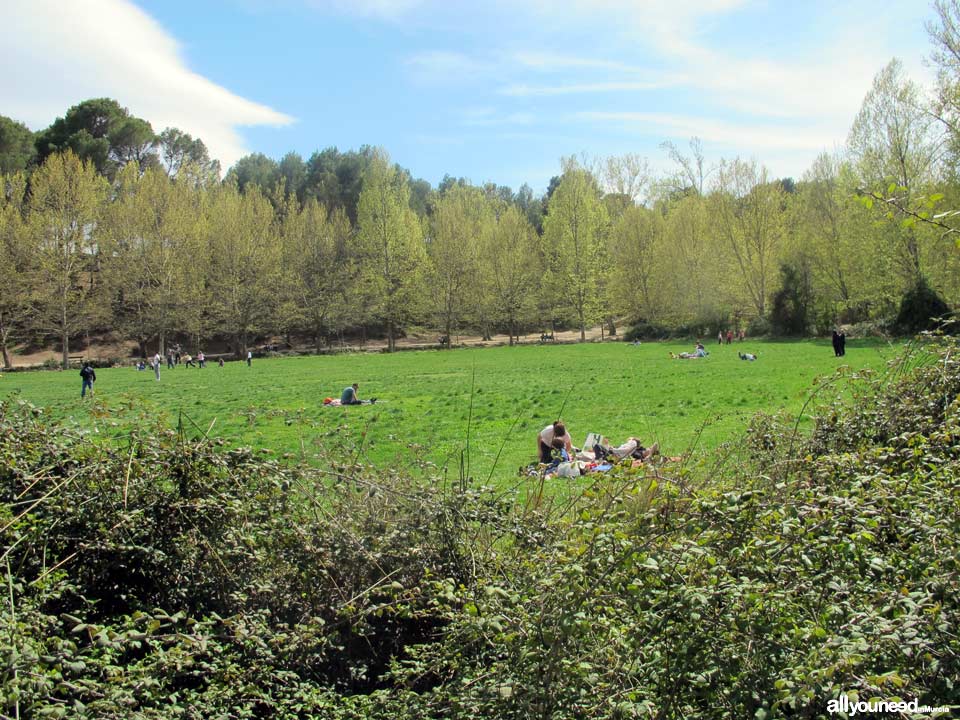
[
  {"x": 349, "y": 396},
  {"x": 698, "y": 352},
  {"x": 546, "y": 438}
]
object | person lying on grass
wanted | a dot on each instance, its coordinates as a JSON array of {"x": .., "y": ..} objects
[
  {"x": 698, "y": 352},
  {"x": 631, "y": 448}
]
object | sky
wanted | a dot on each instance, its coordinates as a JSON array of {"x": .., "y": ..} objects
[{"x": 490, "y": 90}]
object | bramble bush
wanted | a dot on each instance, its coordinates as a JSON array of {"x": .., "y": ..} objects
[{"x": 166, "y": 577}]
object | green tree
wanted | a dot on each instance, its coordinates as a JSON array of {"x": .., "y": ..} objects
[
  {"x": 158, "y": 259},
  {"x": 850, "y": 259},
  {"x": 102, "y": 132},
  {"x": 892, "y": 141},
  {"x": 181, "y": 154},
  {"x": 945, "y": 36},
  {"x": 391, "y": 246},
  {"x": 748, "y": 214},
  {"x": 637, "y": 244},
  {"x": 574, "y": 237},
  {"x": 457, "y": 225},
  {"x": 256, "y": 170},
  {"x": 318, "y": 269},
  {"x": 17, "y": 149},
  {"x": 691, "y": 252},
  {"x": 65, "y": 206},
  {"x": 510, "y": 269},
  {"x": 14, "y": 261},
  {"x": 244, "y": 263}
]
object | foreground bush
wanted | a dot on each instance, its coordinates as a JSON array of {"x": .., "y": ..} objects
[{"x": 168, "y": 578}]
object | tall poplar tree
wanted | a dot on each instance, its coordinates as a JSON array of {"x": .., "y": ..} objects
[
  {"x": 391, "y": 247},
  {"x": 574, "y": 238},
  {"x": 457, "y": 225},
  {"x": 244, "y": 263},
  {"x": 159, "y": 259},
  {"x": 748, "y": 214},
  {"x": 510, "y": 269},
  {"x": 14, "y": 261},
  {"x": 66, "y": 202}
]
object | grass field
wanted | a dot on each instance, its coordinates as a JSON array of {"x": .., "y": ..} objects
[{"x": 503, "y": 395}]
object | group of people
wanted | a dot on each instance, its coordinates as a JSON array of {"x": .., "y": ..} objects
[
  {"x": 699, "y": 351},
  {"x": 839, "y": 343},
  {"x": 729, "y": 336},
  {"x": 175, "y": 357},
  {"x": 554, "y": 445}
]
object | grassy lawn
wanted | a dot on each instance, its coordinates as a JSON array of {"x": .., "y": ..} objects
[{"x": 430, "y": 398}]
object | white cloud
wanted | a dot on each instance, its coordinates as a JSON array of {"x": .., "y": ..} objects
[
  {"x": 492, "y": 117},
  {"x": 390, "y": 10},
  {"x": 581, "y": 88},
  {"x": 61, "y": 53},
  {"x": 730, "y": 134},
  {"x": 440, "y": 66}
]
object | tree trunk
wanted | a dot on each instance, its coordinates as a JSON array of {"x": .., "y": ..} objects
[
  {"x": 391, "y": 342},
  {"x": 4, "y": 335}
]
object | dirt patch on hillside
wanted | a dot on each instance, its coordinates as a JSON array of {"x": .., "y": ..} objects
[{"x": 125, "y": 352}]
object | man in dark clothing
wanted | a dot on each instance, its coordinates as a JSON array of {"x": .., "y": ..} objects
[
  {"x": 349, "y": 396},
  {"x": 89, "y": 378}
]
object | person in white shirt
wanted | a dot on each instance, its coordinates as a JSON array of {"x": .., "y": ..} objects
[{"x": 553, "y": 436}]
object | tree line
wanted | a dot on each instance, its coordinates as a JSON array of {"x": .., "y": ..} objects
[{"x": 106, "y": 225}]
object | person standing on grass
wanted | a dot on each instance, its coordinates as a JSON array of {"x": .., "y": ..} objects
[
  {"x": 249, "y": 357},
  {"x": 201, "y": 360},
  {"x": 89, "y": 378},
  {"x": 156, "y": 364}
]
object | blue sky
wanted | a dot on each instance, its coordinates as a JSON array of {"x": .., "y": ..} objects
[{"x": 492, "y": 91}]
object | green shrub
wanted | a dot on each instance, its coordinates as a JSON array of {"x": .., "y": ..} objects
[
  {"x": 921, "y": 309},
  {"x": 166, "y": 577}
]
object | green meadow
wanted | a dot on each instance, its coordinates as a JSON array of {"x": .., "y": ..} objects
[{"x": 481, "y": 406}]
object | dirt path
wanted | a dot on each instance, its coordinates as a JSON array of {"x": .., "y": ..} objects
[{"x": 124, "y": 351}]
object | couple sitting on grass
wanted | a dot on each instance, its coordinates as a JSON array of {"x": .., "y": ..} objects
[
  {"x": 698, "y": 352},
  {"x": 556, "y": 438}
]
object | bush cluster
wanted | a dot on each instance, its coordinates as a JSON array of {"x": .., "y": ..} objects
[{"x": 166, "y": 577}]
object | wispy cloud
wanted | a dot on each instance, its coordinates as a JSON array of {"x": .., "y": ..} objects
[
  {"x": 390, "y": 10},
  {"x": 441, "y": 66},
  {"x": 583, "y": 88},
  {"x": 493, "y": 117},
  {"x": 68, "y": 52},
  {"x": 730, "y": 134}
]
